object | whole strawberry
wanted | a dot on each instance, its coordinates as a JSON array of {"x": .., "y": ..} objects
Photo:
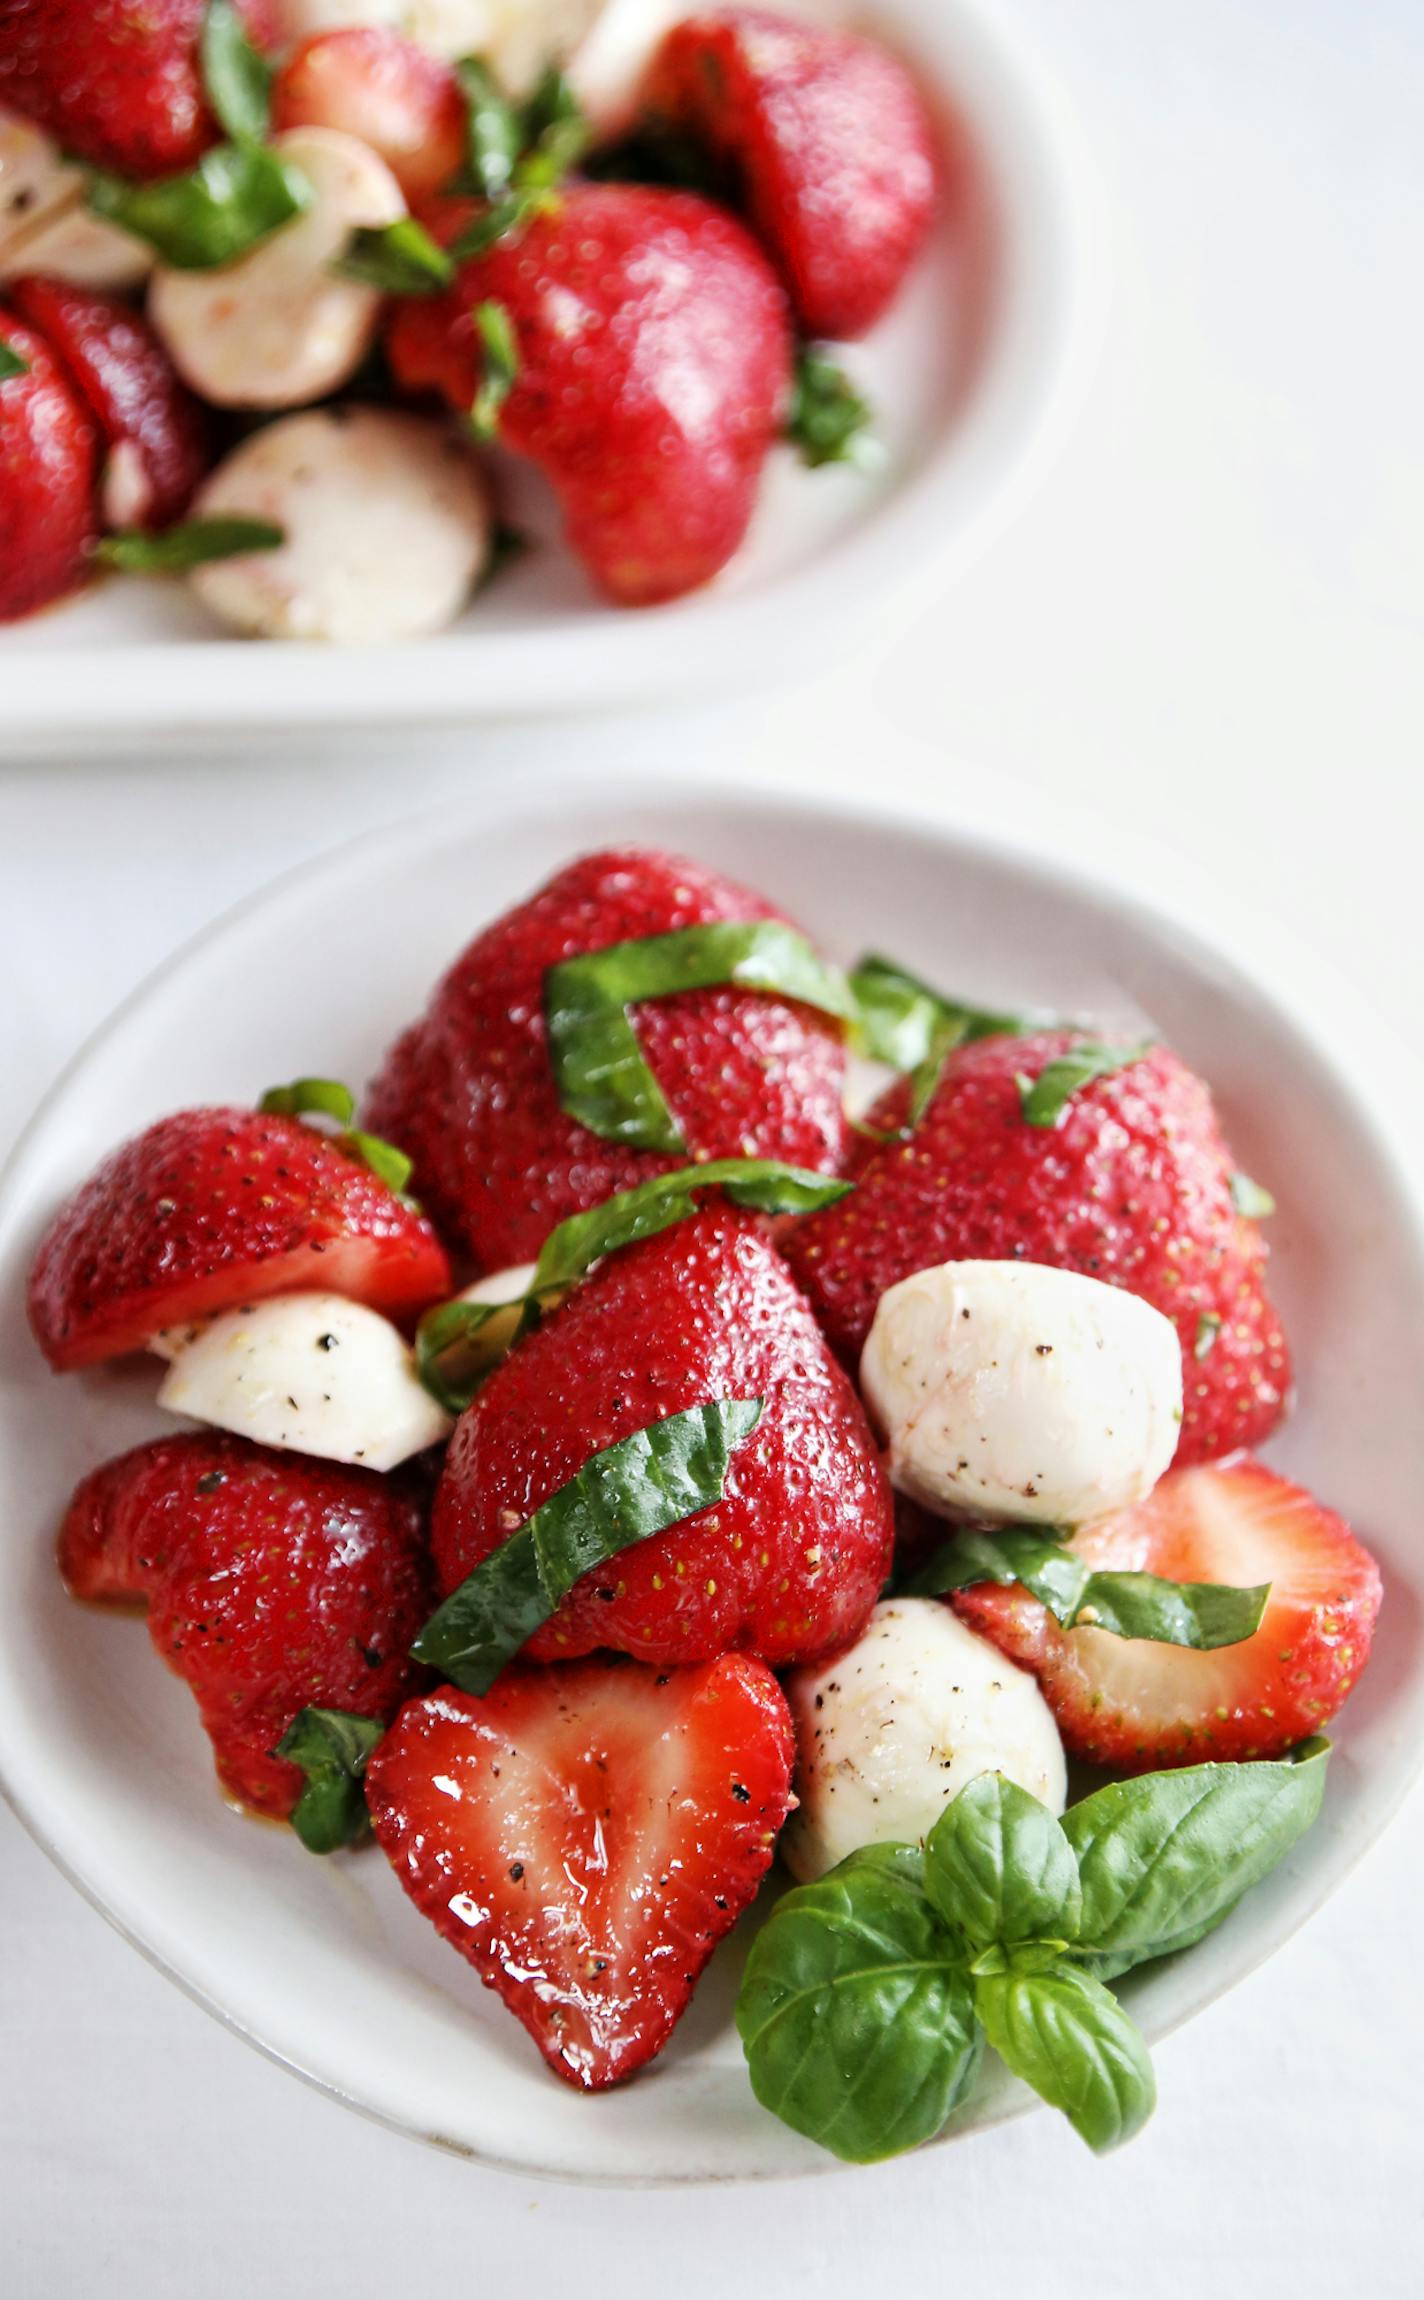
[
  {"x": 117, "y": 82},
  {"x": 585, "y": 1836},
  {"x": 273, "y": 1583},
  {"x": 470, "y": 1094},
  {"x": 48, "y": 474},
  {"x": 1133, "y": 1184},
  {"x": 650, "y": 345},
  {"x": 789, "y": 1563},
  {"x": 212, "y": 1208},
  {"x": 829, "y": 140},
  {"x": 153, "y": 429}
]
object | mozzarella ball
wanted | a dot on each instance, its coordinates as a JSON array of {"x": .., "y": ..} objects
[
  {"x": 1011, "y": 1390},
  {"x": 279, "y": 326},
  {"x": 299, "y": 20},
  {"x": 311, "y": 1373},
  {"x": 889, "y": 1732},
  {"x": 44, "y": 225},
  {"x": 387, "y": 527}
]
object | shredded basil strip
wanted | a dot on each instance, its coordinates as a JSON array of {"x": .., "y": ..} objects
[
  {"x": 1199, "y": 1614},
  {"x": 236, "y": 197},
  {"x": 903, "y": 1022},
  {"x": 602, "y": 1077},
  {"x": 500, "y": 347},
  {"x": 639, "y": 1487},
  {"x": 190, "y": 543},
  {"x": 333, "y": 1748},
  {"x": 494, "y": 133},
  {"x": 328, "y": 1098},
  {"x": 1045, "y": 1098},
  {"x": 552, "y": 136},
  {"x": 11, "y": 364},
  {"x": 829, "y": 421},
  {"x": 398, "y": 259},
  {"x": 237, "y": 78},
  {"x": 1250, "y": 1199}
]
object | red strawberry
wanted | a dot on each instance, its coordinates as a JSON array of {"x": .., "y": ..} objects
[
  {"x": 1133, "y": 1185},
  {"x": 789, "y": 1563},
  {"x": 48, "y": 466},
  {"x": 212, "y": 1208},
  {"x": 272, "y": 1583},
  {"x": 1135, "y": 1705},
  {"x": 654, "y": 374},
  {"x": 469, "y": 1092},
  {"x": 118, "y": 82},
  {"x": 154, "y": 428},
  {"x": 585, "y": 1836},
  {"x": 389, "y": 94},
  {"x": 830, "y": 141}
]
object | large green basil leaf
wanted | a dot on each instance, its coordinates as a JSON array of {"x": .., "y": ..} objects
[
  {"x": 1068, "y": 2037},
  {"x": 333, "y": 1748},
  {"x": 1164, "y": 1858},
  {"x": 999, "y": 1868},
  {"x": 1199, "y": 1614},
  {"x": 641, "y": 1486},
  {"x": 856, "y": 2011},
  {"x": 236, "y": 197}
]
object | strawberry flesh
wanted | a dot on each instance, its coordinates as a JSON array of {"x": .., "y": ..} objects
[
  {"x": 585, "y": 1836},
  {"x": 392, "y": 96}
]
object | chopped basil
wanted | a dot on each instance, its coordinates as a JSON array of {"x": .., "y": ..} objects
[
  {"x": 902, "y": 1021},
  {"x": 453, "y": 1352},
  {"x": 333, "y": 1748},
  {"x": 388, "y": 1164},
  {"x": 1045, "y": 1098},
  {"x": 599, "y": 1069},
  {"x": 828, "y": 421},
  {"x": 328, "y": 1098},
  {"x": 191, "y": 543},
  {"x": 552, "y": 135},
  {"x": 494, "y": 132},
  {"x": 398, "y": 259},
  {"x": 1208, "y": 1327},
  {"x": 237, "y": 78},
  {"x": 11, "y": 364},
  {"x": 236, "y": 197},
  {"x": 628, "y": 1492},
  {"x": 500, "y": 347},
  {"x": 1250, "y": 1199},
  {"x": 1200, "y": 1614}
]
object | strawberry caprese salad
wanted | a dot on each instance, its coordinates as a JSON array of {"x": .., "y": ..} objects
[
  {"x": 276, "y": 275},
  {"x": 610, "y": 1463}
]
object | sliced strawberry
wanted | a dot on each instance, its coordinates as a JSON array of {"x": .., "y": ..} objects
[
  {"x": 213, "y": 1208},
  {"x": 272, "y": 1582},
  {"x": 48, "y": 469},
  {"x": 154, "y": 429},
  {"x": 585, "y": 1836},
  {"x": 830, "y": 140},
  {"x": 1135, "y": 1705},
  {"x": 469, "y": 1092},
  {"x": 395, "y": 98},
  {"x": 789, "y": 1563},
  {"x": 1132, "y": 1185}
]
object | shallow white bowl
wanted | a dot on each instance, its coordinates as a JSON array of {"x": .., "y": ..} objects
[
  {"x": 324, "y": 1963},
  {"x": 964, "y": 373}
]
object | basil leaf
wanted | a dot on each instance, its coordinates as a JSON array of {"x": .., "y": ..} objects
[
  {"x": 828, "y": 421},
  {"x": 1065, "y": 2035},
  {"x": 501, "y": 367},
  {"x": 388, "y": 1164},
  {"x": 236, "y": 197},
  {"x": 641, "y": 1486},
  {"x": 1164, "y": 1858},
  {"x": 856, "y": 2012},
  {"x": 333, "y": 1748},
  {"x": 454, "y": 1354},
  {"x": 764, "y": 1184},
  {"x": 11, "y": 364},
  {"x": 1045, "y": 1098},
  {"x": 237, "y": 78},
  {"x": 1250, "y": 1199},
  {"x": 552, "y": 136},
  {"x": 902, "y": 1021},
  {"x": 325, "y": 1096},
  {"x": 999, "y": 1869},
  {"x": 398, "y": 259},
  {"x": 1208, "y": 1327},
  {"x": 189, "y": 543},
  {"x": 602, "y": 1077},
  {"x": 1200, "y": 1614},
  {"x": 494, "y": 132}
]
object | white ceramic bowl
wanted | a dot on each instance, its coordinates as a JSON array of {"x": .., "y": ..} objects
[
  {"x": 964, "y": 374},
  {"x": 324, "y": 1963}
]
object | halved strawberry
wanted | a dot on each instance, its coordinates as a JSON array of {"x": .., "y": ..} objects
[
  {"x": 1135, "y": 1705},
  {"x": 586, "y": 1835},
  {"x": 273, "y": 1584},
  {"x": 212, "y": 1208}
]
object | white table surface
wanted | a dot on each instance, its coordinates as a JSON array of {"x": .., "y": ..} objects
[{"x": 1195, "y": 660}]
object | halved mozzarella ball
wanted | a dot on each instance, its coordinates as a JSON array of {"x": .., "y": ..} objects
[
  {"x": 280, "y": 327},
  {"x": 387, "y": 526},
  {"x": 44, "y": 225},
  {"x": 1012, "y": 1390},
  {"x": 311, "y": 1373},
  {"x": 890, "y": 1731},
  {"x": 299, "y": 20}
]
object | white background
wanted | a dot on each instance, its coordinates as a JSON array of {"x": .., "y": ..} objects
[{"x": 1194, "y": 659}]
